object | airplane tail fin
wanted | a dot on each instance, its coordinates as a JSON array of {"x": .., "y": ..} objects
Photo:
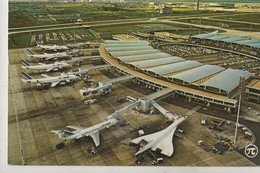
[
  {"x": 26, "y": 76},
  {"x": 25, "y": 63},
  {"x": 38, "y": 43},
  {"x": 30, "y": 52}
]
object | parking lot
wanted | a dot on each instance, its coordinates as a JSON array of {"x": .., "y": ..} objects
[
  {"x": 212, "y": 56},
  {"x": 33, "y": 113}
]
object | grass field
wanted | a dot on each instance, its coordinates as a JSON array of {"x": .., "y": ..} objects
[
  {"x": 255, "y": 17},
  {"x": 224, "y": 24}
]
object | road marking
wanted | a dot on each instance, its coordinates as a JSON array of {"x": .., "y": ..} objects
[
  {"x": 17, "y": 125},
  {"x": 195, "y": 109}
]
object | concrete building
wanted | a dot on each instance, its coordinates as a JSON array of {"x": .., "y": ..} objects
[
  {"x": 166, "y": 10},
  {"x": 253, "y": 91}
]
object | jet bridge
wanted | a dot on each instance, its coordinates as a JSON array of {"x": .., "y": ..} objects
[
  {"x": 165, "y": 112},
  {"x": 105, "y": 87},
  {"x": 146, "y": 104},
  {"x": 116, "y": 114},
  {"x": 84, "y": 72},
  {"x": 78, "y": 61}
]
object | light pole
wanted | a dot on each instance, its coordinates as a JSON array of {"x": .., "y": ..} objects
[
  {"x": 74, "y": 21},
  {"x": 241, "y": 90}
]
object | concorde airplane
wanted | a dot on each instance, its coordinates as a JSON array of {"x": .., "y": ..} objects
[
  {"x": 52, "y": 48},
  {"x": 160, "y": 140},
  {"x": 47, "y": 67},
  {"x": 54, "y": 81},
  {"x": 80, "y": 132}
]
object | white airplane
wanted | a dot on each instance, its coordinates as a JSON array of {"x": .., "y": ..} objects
[
  {"x": 47, "y": 67},
  {"x": 80, "y": 132},
  {"x": 47, "y": 56},
  {"x": 160, "y": 140},
  {"x": 54, "y": 81},
  {"x": 51, "y": 48}
]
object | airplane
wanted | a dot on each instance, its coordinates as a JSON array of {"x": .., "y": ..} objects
[
  {"x": 160, "y": 140},
  {"x": 80, "y": 132},
  {"x": 47, "y": 56},
  {"x": 52, "y": 48},
  {"x": 54, "y": 81},
  {"x": 48, "y": 67}
]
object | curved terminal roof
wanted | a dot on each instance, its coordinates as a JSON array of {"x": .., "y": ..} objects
[
  {"x": 143, "y": 57},
  {"x": 256, "y": 45},
  {"x": 248, "y": 42},
  {"x": 233, "y": 39},
  {"x": 218, "y": 37},
  {"x": 125, "y": 41},
  {"x": 237, "y": 40},
  {"x": 155, "y": 62},
  {"x": 133, "y": 52},
  {"x": 197, "y": 73},
  {"x": 203, "y": 35},
  {"x": 226, "y": 80},
  {"x": 175, "y": 67},
  {"x": 116, "y": 49}
]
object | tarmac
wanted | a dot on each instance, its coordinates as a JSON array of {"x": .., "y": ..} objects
[{"x": 33, "y": 113}]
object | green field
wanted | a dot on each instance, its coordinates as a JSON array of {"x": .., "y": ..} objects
[{"x": 224, "y": 24}]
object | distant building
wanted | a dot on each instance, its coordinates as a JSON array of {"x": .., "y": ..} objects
[
  {"x": 253, "y": 91},
  {"x": 166, "y": 10},
  {"x": 223, "y": 5}
]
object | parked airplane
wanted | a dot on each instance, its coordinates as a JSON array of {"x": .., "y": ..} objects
[
  {"x": 80, "y": 132},
  {"x": 48, "y": 67},
  {"x": 160, "y": 140},
  {"x": 51, "y": 48},
  {"x": 47, "y": 56},
  {"x": 54, "y": 81}
]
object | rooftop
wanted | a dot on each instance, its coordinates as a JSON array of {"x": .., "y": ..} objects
[
  {"x": 226, "y": 80},
  {"x": 197, "y": 73}
]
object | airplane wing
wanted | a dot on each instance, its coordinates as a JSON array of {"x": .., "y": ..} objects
[
  {"x": 53, "y": 84},
  {"x": 165, "y": 145},
  {"x": 75, "y": 127},
  {"x": 50, "y": 69},
  {"x": 95, "y": 137},
  {"x": 45, "y": 75},
  {"x": 164, "y": 141}
]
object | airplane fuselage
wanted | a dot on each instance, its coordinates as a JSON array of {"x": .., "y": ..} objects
[
  {"x": 54, "y": 67},
  {"x": 62, "y": 79},
  {"x": 51, "y": 56},
  {"x": 77, "y": 134}
]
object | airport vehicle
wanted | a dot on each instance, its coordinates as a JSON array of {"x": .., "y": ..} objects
[
  {"x": 200, "y": 142},
  {"x": 203, "y": 120},
  {"x": 47, "y": 56},
  {"x": 80, "y": 132},
  {"x": 47, "y": 67},
  {"x": 54, "y": 48},
  {"x": 160, "y": 140},
  {"x": 90, "y": 101},
  {"x": 54, "y": 81}
]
